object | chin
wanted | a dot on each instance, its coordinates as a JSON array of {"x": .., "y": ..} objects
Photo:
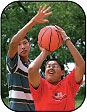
[
  {"x": 23, "y": 55},
  {"x": 49, "y": 80}
]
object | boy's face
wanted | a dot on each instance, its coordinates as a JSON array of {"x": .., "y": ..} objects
[
  {"x": 23, "y": 48},
  {"x": 53, "y": 72}
]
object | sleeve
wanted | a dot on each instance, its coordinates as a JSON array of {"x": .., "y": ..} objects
[
  {"x": 39, "y": 92},
  {"x": 12, "y": 63},
  {"x": 72, "y": 83}
]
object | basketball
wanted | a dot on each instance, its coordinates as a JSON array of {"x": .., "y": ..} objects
[{"x": 49, "y": 38}]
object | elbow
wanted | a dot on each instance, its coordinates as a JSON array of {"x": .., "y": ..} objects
[
  {"x": 83, "y": 67},
  {"x": 80, "y": 70},
  {"x": 14, "y": 41},
  {"x": 12, "y": 44},
  {"x": 30, "y": 70}
]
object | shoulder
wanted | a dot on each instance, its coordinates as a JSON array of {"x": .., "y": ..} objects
[
  {"x": 13, "y": 59},
  {"x": 43, "y": 82}
]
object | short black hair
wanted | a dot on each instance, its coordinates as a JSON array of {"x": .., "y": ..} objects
[
  {"x": 58, "y": 61},
  {"x": 26, "y": 37}
]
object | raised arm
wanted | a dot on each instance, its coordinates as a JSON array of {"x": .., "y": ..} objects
[
  {"x": 33, "y": 69},
  {"x": 80, "y": 63},
  {"x": 38, "y": 18}
]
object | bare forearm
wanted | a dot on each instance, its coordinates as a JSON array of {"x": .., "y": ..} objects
[
  {"x": 33, "y": 70},
  {"x": 21, "y": 34},
  {"x": 36, "y": 64},
  {"x": 38, "y": 18},
  {"x": 18, "y": 37},
  {"x": 80, "y": 63},
  {"x": 75, "y": 53}
]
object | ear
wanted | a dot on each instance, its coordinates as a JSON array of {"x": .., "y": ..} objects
[
  {"x": 62, "y": 72},
  {"x": 29, "y": 44}
]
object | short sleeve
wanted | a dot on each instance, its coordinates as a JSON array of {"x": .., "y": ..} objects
[
  {"x": 12, "y": 63},
  {"x": 72, "y": 83},
  {"x": 38, "y": 93}
]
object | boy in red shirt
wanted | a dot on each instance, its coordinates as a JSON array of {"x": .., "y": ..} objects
[{"x": 54, "y": 94}]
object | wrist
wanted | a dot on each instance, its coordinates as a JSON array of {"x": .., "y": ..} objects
[
  {"x": 33, "y": 21},
  {"x": 66, "y": 38},
  {"x": 45, "y": 53}
]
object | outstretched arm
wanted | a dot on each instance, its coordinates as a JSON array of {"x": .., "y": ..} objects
[
  {"x": 80, "y": 63},
  {"x": 38, "y": 18}
]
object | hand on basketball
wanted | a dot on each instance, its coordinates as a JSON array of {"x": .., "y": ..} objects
[
  {"x": 42, "y": 13},
  {"x": 62, "y": 32},
  {"x": 45, "y": 51}
]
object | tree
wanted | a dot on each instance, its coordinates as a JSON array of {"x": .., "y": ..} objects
[{"x": 67, "y": 15}]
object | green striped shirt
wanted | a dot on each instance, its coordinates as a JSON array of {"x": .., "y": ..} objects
[{"x": 20, "y": 98}]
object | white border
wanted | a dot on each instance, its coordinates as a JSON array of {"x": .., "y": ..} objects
[{"x": 83, "y": 4}]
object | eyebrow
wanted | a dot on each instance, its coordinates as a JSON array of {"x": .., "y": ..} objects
[
  {"x": 52, "y": 64},
  {"x": 25, "y": 40}
]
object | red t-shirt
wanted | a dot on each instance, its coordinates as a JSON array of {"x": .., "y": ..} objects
[{"x": 58, "y": 97}]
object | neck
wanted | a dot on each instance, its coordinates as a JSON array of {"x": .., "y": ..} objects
[
  {"x": 26, "y": 59},
  {"x": 55, "y": 83}
]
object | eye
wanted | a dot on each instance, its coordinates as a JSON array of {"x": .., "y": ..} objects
[
  {"x": 25, "y": 42},
  {"x": 55, "y": 66},
  {"x": 48, "y": 66},
  {"x": 19, "y": 44}
]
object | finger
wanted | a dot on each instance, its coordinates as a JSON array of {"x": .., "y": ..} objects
[
  {"x": 47, "y": 9},
  {"x": 44, "y": 7},
  {"x": 47, "y": 14},
  {"x": 40, "y": 8},
  {"x": 45, "y": 21},
  {"x": 58, "y": 28},
  {"x": 61, "y": 30}
]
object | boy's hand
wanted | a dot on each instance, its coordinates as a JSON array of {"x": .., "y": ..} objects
[
  {"x": 42, "y": 13},
  {"x": 62, "y": 32},
  {"x": 45, "y": 51}
]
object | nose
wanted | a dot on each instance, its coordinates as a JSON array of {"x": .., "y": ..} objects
[
  {"x": 23, "y": 46},
  {"x": 51, "y": 67}
]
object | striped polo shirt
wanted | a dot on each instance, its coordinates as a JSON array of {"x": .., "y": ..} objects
[{"x": 20, "y": 98}]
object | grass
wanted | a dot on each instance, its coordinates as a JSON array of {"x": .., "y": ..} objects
[{"x": 78, "y": 99}]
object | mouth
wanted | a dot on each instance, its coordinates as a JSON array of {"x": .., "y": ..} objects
[
  {"x": 51, "y": 72},
  {"x": 24, "y": 51}
]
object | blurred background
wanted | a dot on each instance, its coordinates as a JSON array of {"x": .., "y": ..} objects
[{"x": 67, "y": 15}]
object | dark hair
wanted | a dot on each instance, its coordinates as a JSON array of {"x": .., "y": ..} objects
[
  {"x": 26, "y": 37},
  {"x": 58, "y": 61}
]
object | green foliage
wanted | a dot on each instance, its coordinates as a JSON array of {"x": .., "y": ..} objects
[
  {"x": 79, "y": 101},
  {"x": 67, "y": 15}
]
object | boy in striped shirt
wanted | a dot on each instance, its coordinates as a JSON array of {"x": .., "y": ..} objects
[{"x": 20, "y": 98}]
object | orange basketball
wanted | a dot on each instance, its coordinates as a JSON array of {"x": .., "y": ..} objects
[{"x": 49, "y": 38}]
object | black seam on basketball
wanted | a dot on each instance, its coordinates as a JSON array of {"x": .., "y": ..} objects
[
  {"x": 59, "y": 39},
  {"x": 50, "y": 38},
  {"x": 42, "y": 36}
]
